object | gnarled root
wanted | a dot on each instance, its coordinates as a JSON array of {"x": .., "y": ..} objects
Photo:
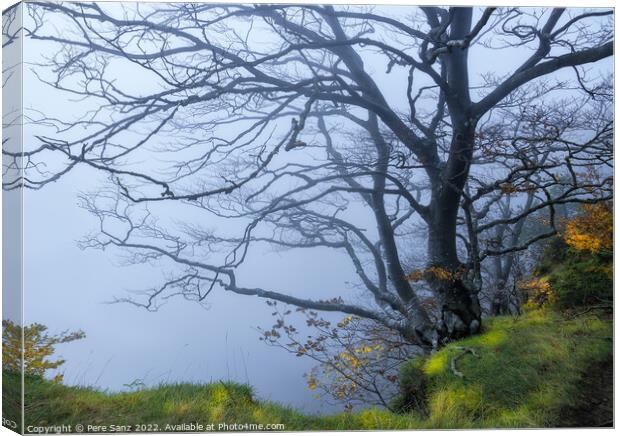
[{"x": 464, "y": 351}]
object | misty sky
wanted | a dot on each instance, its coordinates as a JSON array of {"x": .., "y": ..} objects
[{"x": 67, "y": 289}]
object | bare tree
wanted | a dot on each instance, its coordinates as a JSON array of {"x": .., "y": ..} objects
[
  {"x": 536, "y": 182},
  {"x": 277, "y": 116},
  {"x": 11, "y": 116}
]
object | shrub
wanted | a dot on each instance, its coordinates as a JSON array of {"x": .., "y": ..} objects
[
  {"x": 33, "y": 354},
  {"x": 538, "y": 292},
  {"x": 412, "y": 387},
  {"x": 554, "y": 253},
  {"x": 582, "y": 280},
  {"x": 576, "y": 269},
  {"x": 593, "y": 230}
]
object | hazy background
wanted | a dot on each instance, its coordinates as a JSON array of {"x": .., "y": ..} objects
[{"x": 66, "y": 288}]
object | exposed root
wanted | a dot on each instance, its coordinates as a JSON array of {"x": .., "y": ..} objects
[{"x": 464, "y": 351}]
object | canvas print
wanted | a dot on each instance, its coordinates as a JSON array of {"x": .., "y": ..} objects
[{"x": 273, "y": 217}]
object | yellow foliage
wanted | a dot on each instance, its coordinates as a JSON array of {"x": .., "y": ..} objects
[
  {"x": 312, "y": 383},
  {"x": 351, "y": 359},
  {"x": 433, "y": 272},
  {"x": 28, "y": 348},
  {"x": 539, "y": 293},
  {"x": 366, "y": 349},
  {"x": 356, "y": 357},
  {"x": 593, "y": 230},
  {"x": 346, "y": 321}
]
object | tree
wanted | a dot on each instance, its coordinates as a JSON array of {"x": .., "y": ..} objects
[
  {"x": 276, "y": 115},
  {"x": 32, "y": 356}
]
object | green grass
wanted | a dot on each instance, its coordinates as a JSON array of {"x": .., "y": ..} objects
[
  {"x": 529, "y": 371},
  {"x": 55, "y": 404}
]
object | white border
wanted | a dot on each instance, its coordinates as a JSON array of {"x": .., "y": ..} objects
[{"x": 523, "y": 3}]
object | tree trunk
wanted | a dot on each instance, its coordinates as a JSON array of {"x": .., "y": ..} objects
[
  {"x": 457, "y": 297},
  {"x": 458, "y": 300},
  {"x": 500, "y": 300}
]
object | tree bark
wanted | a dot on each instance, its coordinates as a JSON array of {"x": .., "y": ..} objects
[{"x": 457, "y": 297}]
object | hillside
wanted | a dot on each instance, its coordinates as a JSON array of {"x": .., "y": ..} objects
[
  {"x": 527, "y": 372},
  {"x": 538, "y": 370}
]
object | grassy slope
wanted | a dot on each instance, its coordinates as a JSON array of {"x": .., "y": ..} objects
[{"x": 529, "y": 371}]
